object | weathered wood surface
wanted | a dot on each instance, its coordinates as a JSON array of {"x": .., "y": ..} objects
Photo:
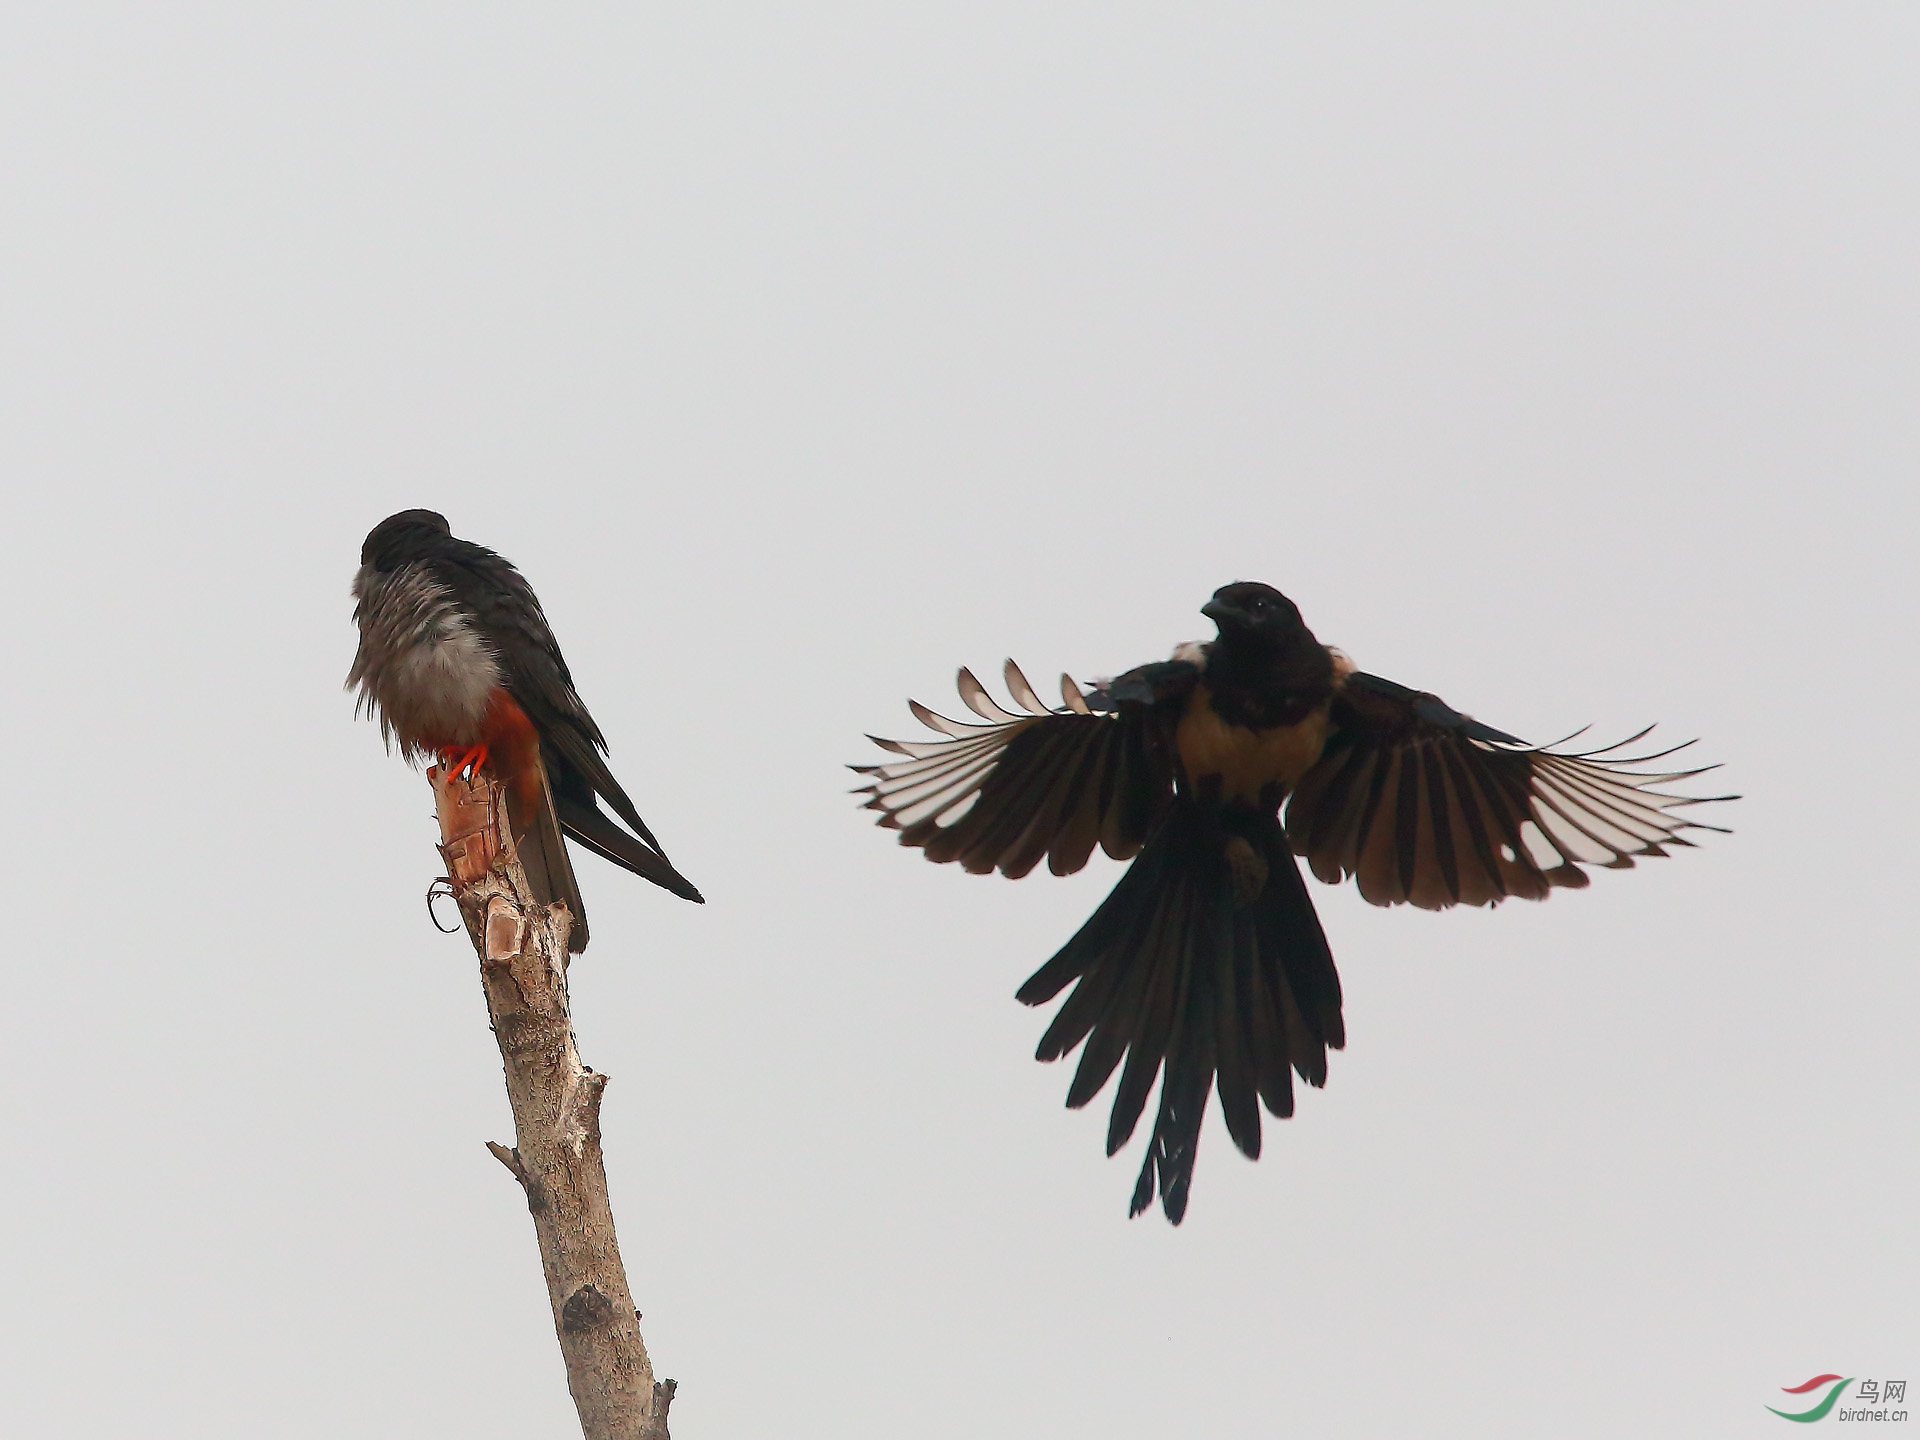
[{"x": 556, "y": 1155}]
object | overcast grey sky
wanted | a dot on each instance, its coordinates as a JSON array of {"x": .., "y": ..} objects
[{"x": 1562, "y": 362}]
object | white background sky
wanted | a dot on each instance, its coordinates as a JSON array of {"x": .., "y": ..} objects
[{"x": 1563, "y": 364}]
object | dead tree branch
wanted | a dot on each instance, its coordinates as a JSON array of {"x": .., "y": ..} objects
[{"x": 556, "y": 1155}]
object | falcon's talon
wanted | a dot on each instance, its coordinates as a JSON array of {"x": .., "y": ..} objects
[{"x": 467, "y": 763}]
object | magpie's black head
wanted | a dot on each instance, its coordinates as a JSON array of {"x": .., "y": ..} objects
[
  {"x": 398, "y": 538},
  {"x": 1248, "y": 610}
]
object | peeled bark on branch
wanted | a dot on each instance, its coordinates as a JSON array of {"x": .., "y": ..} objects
[{"x": 556, "y": 1156}]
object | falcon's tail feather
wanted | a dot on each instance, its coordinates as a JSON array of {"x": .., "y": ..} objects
[
  {"x": 543, "y": 854},
  {"x": 1207, "y": 958}
]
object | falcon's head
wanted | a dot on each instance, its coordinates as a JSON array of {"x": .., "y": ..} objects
[{"x": 396, "y": 539}]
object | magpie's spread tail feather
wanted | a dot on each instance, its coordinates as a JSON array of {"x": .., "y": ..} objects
[{"x": 1205, "y": 966}]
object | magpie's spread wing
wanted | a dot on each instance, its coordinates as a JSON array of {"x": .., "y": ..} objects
[
  {"x": 1421, "y": 803},
  {"x": 1053, "y": 783}
]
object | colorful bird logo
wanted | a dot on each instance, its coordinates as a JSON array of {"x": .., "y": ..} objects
[{"x": 1818, "y": 1412}]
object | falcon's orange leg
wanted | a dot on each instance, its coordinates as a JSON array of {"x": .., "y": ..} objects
[{"x": 453, "y": 762}]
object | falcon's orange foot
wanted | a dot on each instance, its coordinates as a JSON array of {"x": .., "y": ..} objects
[{"x": 455, "y": 762}]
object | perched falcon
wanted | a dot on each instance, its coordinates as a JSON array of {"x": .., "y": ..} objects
[
  {"x": 1207, "y": 959},
  {"x": 456, "y": 658}
]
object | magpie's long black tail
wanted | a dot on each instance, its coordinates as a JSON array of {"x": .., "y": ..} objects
[{"x": 1207, "y": 960}]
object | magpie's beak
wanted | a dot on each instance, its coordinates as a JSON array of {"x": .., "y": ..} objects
[{"x": 1217, "y": 610}]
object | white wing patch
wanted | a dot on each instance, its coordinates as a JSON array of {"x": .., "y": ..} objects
[
  {"x": 940, "y": 779},
  {"x": 1439, "y": 829},
  {"x": 1591, "y": 808}
]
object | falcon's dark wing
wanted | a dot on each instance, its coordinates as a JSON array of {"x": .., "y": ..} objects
[
  {"x": 508, "y": 614},
  {"x": 1421, "y": 803},
  {"x": 1053, "y": 783}
]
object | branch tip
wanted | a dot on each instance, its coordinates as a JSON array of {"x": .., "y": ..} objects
[{"x": 509, "y": 1158}]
